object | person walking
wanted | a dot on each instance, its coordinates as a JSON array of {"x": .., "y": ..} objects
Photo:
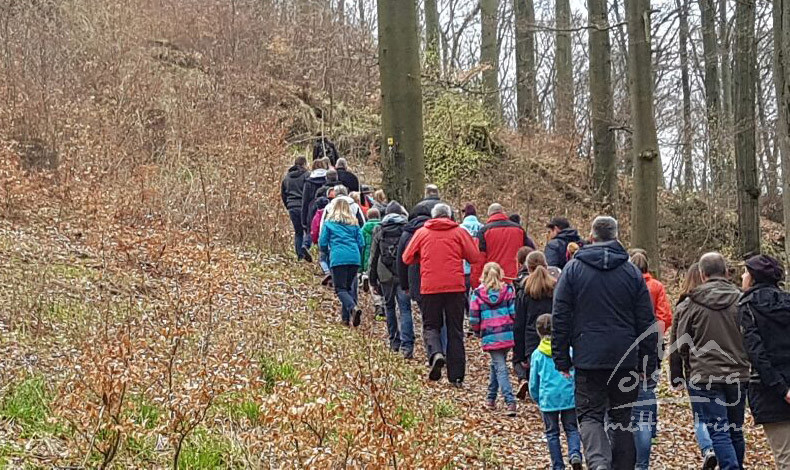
[
  {"x": 440, "y": 247},
  {"x": 679, "y": 372},
  {"x": 560, "y": 235},
  {"x": 765, "y": 322},
  {"x": 347, "y": 178},
  {"x": 425, "y": 206},
  {"x": 385, "y": 280},
  {"x": 708, "y": 338},
  {"x": 472, "y": 225},
  {"x": 343, "y": 238},
  {"x": 554, "y": 394},
  {"x": 645, "y": 414},
  {"x": 491, "y": 312},
  {"x": 312, "y": 183},
  {"x": 602, "y": 309},
  {"x": 324, "y": 148},
  {"x": 500, "y": 239},
  {"x": 291, "y": 193},
  {"x": 535, "y": 297}
]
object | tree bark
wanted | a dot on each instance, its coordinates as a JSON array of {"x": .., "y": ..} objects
[
  {"x": 401, "y": 100},
  {"x": 712, "y": 92},
  {"x": 688, "y": 162},
  {"x": 526, "y": 92},
  {"x": 782, "y": 84},
  {"x": 432, "y": 51},
  {"x": 745, "y": 148},
  {"x": 647, "y": 160},
  {"x": 726, "y": 84},
  {"x": 489, "y": 56},
  {"x": 602, "y": 104},
  {"x": 563, "y": 67}
]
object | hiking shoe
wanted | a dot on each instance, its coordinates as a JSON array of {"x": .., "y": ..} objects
[
  {"x": 436, "y": 367},
  {"x": 345, "y": 322},
  {"x": 490, "y": 405},
  {"x": 511, "y": 410},
  {"x": 523, "y": 390},
  {"x": 576, "y": 462},
  {"x": 709, "y": 462},
  {"x": 407, "y": 354},
  {"x": 326, "y": 280},
  {"x": 365, "y": 284},
  {"x": 357, "y": 317},
  {"x": 457, "y": 384},
  {"x": 307, "y": 256}
]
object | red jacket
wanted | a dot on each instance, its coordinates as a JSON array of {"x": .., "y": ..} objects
[
  {"x": 661, "y": 306},
  {"x": 440, "y": 247},
  {"x": 500, "y": 240}
]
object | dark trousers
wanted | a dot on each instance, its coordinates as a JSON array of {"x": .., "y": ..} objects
[
  {"x": 345, "y": 279},
  {"x": 596, "y": 397},
  {"x": 721, "y": 408},
  {"x": 440, "y": 310},
  {"x": 296, "y": 220}
]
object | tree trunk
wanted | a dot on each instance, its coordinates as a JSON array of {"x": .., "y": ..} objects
[
  {"x": 401, "y": 101},
  {"x": 688, "y": 162},
  {"x": 489, "y": 56},
  {"x": 712, "y": 92},
  {"x": 563, "y": 67},
  {"x": 602, "y": 104},
  {"x": 526, "y": 93},
  {"x": 647, "y": 160},
  {"x": 745, "y": 149},
  {"x": 432, "y": 54},
  {"x": 726, "y": 84},
  {"x": 782, "y": 84}
]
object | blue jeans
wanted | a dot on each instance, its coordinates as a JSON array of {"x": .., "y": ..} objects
[
  {"x": 552, "y": 421},
  {"x": 323, "y": 261},
  {"x": 721, "y": 407},
  {"x": 296, "y": 221},
  {"x": 644, "y": 418},
  {"x": 703, "y": 438},
  {"x": 499, "y": 379},
  {"x": 400, "y": 327},
  {"x": 345, "y": 279}
]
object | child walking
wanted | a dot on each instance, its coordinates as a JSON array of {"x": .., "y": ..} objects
[
  {"x": 492, "y": 309},
  {"x": 554, "y": 394}
]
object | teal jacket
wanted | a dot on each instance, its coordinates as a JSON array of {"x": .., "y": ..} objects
[
  {"x": 344, "y": 242},
  {"x": 367, "y": 234},
  {"x": 547, "y": 386},
  {"x": 472, "y": 225}
]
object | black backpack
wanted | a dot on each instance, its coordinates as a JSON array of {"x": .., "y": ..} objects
[{"x": 388, "y": 246}]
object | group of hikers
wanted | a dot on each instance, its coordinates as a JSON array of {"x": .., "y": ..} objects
[{"x": 585, "y": 320}]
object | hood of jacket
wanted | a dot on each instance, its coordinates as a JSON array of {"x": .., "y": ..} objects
[
  {"x": 545, "y": 346},
  {"x": 370, "y": 225},
  {"x": 492, "y": 297},
  {"x": 604, "y": 256},
  {"x": 569, "y": 235},
  {"x": 415, "y": 224},
  {"x": 393, "y": 219},
  {"x": 317, "y": 177},
  {"x": 296, "y": 171},
  {"x": 441, "y": 224},
  {"x": 716, "y": 294},
  {"x": 471, "y": 221},
  {"x": 771, "y": 301}
]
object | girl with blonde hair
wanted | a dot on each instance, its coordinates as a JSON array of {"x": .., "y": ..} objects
[{"x": 491, "y": 313}]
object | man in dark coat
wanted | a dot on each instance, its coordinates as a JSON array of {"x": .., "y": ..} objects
[
  {"x": 561, "y": 234},
  {"x": 345, "y": 177},
  {"x": 765, "y": 321},
  {"x": 425, "y": 206},
  {"x": 291, "y": 193},
  {"x": 312, "y": 184},
  {"x": 324, "y": 148},
  {"x": 602, "y": 309}
]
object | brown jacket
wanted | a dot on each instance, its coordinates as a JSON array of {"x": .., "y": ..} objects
[{"x": 708, "y": 336}]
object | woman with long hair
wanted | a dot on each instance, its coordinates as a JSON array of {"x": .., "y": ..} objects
[
  {"x": 534, "y": 299},
  {"x": 343, "y": 238}
]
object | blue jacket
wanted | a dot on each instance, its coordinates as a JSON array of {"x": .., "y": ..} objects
[
  {"x": 473, "y": 226},
  {"x": 345, "y": 243},
  {"x": 557, "y": 248},
  {"x": 547, "y": 386},
  {"x": 601, "y": 307}
]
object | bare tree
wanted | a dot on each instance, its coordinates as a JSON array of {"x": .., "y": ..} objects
[
  {"x": 781, "y": 14},
  {"x": 647, "y": 160},
  {"x": 526, "y": 93},
  {"x": 432, "y": 54},
  {"x": 688, "y": 162},
  {"x": 489, "y": 55},
  {"x": 401, "y": 100},
  {"x": 563, "y": 67},
  {"x": 712, "y": 92}
]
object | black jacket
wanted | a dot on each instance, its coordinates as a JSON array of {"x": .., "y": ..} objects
[
  {"x": 409, "y": 275},
  {"x": 348, "y": 180},
  {"x": 765, "y": 323},
  {"x": 325, "y": 149},
  {"x": 424, "y": 207},
  {"x": 601, "y": 308},
  {"x": 557, "y": 248},
  {"x": 525, "y": 335},
  {"x": 311, "y": 185},
  {"x": 292, "y": 187},
  {"x": 391, "y": 228}
]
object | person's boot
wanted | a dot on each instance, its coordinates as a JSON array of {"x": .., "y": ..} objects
[
  {"x": 307, "y": 256},
  {"x": 326, "y": 280},
  {"x": 511, "y": 410},
  {"x": 709, "y": 462},
  {"x": 490, "y": 405},
  {"x": 357, "y": 317},
  {"x": 380, "y": 314},
  {"x": 437, "y": 364},
  {"x": 523, "y": 390},
  {"x": 576, "y": 462}
]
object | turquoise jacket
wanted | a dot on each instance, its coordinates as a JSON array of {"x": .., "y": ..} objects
[
  {"x": 472, "y": 225},
  {"x": 547, "y": 386},
  {"x": 344, "y": 242}
]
